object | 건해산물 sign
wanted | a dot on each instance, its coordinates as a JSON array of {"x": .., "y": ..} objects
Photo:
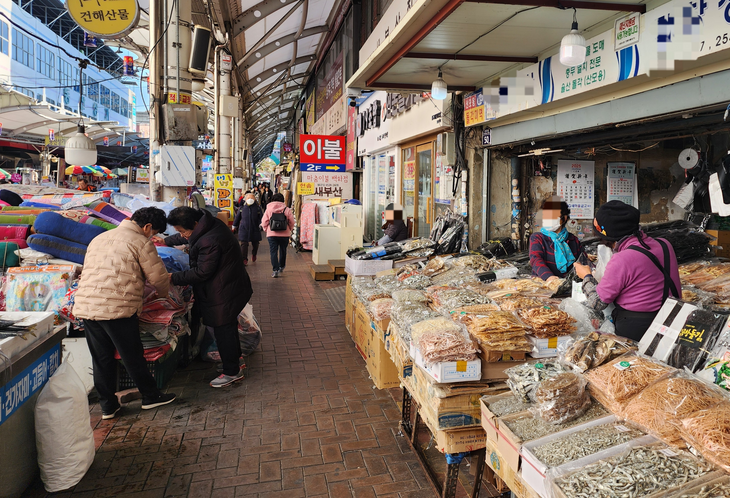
[
  {"x": 105, "y": 18},
  {"x": 322, "y": 153}
]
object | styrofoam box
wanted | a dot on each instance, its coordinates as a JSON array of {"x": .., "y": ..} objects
[
  {"x": 358, "y": 268},
  {"x": 41, "y": 324},
  {"x": 547, "y": 348},
  {"x": 449, "y": 371}
]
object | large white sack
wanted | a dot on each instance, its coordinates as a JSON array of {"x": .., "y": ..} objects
[{"x": 63, "y": 434}]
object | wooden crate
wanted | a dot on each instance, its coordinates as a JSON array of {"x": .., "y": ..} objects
[
  {"x": 321, "y": 272},
  {"x": 338, "y": 267}
]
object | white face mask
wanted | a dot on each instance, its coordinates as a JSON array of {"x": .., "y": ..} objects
[
  {"x": 250, "y": 202},
  {"x": 551, "y": 224}
]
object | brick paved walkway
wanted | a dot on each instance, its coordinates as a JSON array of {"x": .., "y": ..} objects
[{"x": 307, "y": 421}]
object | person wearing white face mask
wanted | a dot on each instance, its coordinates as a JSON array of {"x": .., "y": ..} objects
[
  {"x": 553, "y": 249},
  {"x": 246, "y": 223}
]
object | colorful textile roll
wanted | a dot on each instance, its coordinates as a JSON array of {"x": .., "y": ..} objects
[
  {"x": 14, "y": 232},
  {"x": 83, "y": 217},
  {"x": 58, "y": 226},
  {"x": 8, "y": 257},
  {"x": 31, "y": 204},
  {"x": 10, "y": 197},
  {"x": 23, "y": 219},
  {"x": 107, "y": 212}
]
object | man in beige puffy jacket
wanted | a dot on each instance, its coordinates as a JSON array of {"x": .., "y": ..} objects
[{"x": 109, "y": 298}]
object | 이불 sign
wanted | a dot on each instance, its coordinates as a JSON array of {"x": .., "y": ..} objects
[
  {"x": 24, "y": 385},
  {"x": 224, "y": 194},
  {"x": 322, "y": 153},
  {"x": 105, "y": 18}
]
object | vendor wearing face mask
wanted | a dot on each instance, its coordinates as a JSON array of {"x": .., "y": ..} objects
[
  {"x": 553, "y": 250},
  {"x": 246, "y": 223},
  {"x": 640, "y": 275}
]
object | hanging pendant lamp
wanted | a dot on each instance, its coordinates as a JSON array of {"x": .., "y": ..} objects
[
  {"x": 573, "y": 46},
  {"x": 439, "y": 90}
]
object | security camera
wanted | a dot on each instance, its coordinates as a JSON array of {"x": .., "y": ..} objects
[
  {"x": 353, "y": 92},
  {"x": 352, "y": 101}
]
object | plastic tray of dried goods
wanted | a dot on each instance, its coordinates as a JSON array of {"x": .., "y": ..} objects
[
  {"x": 642, "y": 468},
  {"x": 573, "y": 444},
  {"x": 716, "y": 488}
]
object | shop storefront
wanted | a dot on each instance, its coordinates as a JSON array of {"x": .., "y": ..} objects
[
  {"x": 379, "y": 161},
  {"x": 416, "y": 123}
]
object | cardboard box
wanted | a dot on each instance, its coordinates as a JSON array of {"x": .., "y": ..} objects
[
  {"x": 449, "y": 371},
  {"x": 446, "y": 413},
  {"x": 722, "y": 238},
  {"x": 497, "y": 356},
  {"x": 383, "y": 371},
  {"x": 547, "y": 348},
  {"x": 337, "y": 266},
  {"x": 361, "y": 330},
  {"x": 349, "y": 306},
  {"x": 507, "y": 474},
  {"x": 382, "y": 325},
  {"x": 399, "y": 354},
  {"x": 458, "y": 440},
  {"x": 508, "y": 444},
  {"x": 495, "y": 370},
  {"x": 490, "y": 421}
]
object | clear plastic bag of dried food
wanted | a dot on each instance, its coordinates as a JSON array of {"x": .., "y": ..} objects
[
  {"x": 416, "y": 281},
  {"x": 524, "y": 379},
  {"x": 388, "y": 283},
  {"x": 409, "y": 295},
  {"x": 547, "y": 321},
  {"x": 659, "y": 408},
  {"x": 417, "y": 243},
  {"x": 587, "y": 320},
  {"x": 708, "y": 431},
  {"x": 561, "y": 398},
  {"x": 380, "y": 308},
  {"x": 455, "y": 276},
  {"x": 616, "y": 382},
  {"x": 441, "y": 344},
  {"x": 405, "y": 314},
  {"x": 698, "y": 297},
  {"x": 368, "y": 294},
  {"x": 586, "y": 351},
  {"x": 641, "y": 467},
  {"x": 447, "y": 299}
]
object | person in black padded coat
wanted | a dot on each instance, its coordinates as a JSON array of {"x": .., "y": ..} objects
[{"x": 220, "y": 282}]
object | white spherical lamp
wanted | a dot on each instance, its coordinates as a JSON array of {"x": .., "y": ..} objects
[
  {"x": 80, "y": 150},
  {"x": 573, "y": 46},
  {"x": 439, "y": 88}
]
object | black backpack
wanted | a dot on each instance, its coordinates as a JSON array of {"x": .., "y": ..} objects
[{"x": 278, "y": 222}]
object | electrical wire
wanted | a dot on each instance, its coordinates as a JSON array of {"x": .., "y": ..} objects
[
  {"x": 141, "y": 72},
  {"x": 500, "y": 24},
  {"x": 640, "y": 150},
  {"x": 59, "y": 86}
]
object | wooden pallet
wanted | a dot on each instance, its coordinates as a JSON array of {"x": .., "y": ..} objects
[
  {"x": 337, "y": 266},
  {"x": 321, "y": 272}
]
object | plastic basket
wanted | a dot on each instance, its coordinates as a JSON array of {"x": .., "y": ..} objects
[{"x": 161, "y": 369}]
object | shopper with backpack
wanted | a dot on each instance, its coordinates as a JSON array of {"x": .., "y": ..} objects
[{"x": 278, "y": 221}]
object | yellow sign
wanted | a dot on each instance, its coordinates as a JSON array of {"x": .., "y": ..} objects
[
  {"x": 474, "y": 116},
  {"x": 57, "y": 141},
  {"x": 305, "y": 188},
  {"x": 104, "y": 18},
  {"x": 224, "y": 193}
]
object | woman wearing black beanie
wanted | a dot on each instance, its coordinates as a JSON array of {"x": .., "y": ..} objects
[{"x": 640, "y": 275}]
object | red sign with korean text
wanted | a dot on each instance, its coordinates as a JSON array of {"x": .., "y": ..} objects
[{"x": 322, "y": 153}]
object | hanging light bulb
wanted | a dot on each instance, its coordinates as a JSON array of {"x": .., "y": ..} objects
[
  {"x": 80, "y": 150},
  {"x": 573, "y": 46},
  {"x": 439, "y": 88}
]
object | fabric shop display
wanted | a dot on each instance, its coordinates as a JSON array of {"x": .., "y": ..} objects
[
  {"x": 82, "y": 216},
  {"x": 107, "y": 212},
  {"x": 22, "y": 219},
  {"x": 14, "y": 231},
  {"x": 31, "y": 204},
  {"x": 37, "y": 288},
  {"x": 56, "y": 246},
  {"x": 10, "y": 197},
  {"x": 62, "y": 227}
]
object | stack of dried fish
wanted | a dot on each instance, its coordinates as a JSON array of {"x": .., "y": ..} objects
[
  {"x": 455, "y": 277},
  {"x": 447, "y": 299},
  {"x": 717, "y": 488},
  {"x": 513, "y": 302},
  {"x": 389, "y": 283},
  {"x": 660, "y": 407},
  {"x": 527, "y": 427},
  {"x": 505, "y": 404},
  {"x": 435, "y": 267},
  {"x": 498, "y": 331},
  {"x": 446, "y": 345},
  {"x": 700, "y": 275},
  {"x": 562, "y": 398},
  {"x": 523, "y": 380},
  {"x": 583, "y": 443},
  {"x": 523, "y": 285},
  {"x": 619, "y": 380},
  {"x": 595, "y": 349},
  {"x": 406, "y": 313},
  {"x": 436, "y": 325},
  {"x": 639, "y": 472},
  {"x": 708, "y": 431},
  {"x": 380, "y": 308},
  {"x": 547, "y": 322}
]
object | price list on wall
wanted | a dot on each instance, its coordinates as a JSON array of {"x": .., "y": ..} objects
[
  {"x": 576, "y": 187},
  {"x": 622, "y": 182}
]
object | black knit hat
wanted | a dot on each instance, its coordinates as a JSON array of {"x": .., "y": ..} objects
[{"x": 615, "y": 220}]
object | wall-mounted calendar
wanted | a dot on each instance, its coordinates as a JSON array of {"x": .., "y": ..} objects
[
  {"x": 576, "y": 187},
  {"x": 622, "y": 183}
]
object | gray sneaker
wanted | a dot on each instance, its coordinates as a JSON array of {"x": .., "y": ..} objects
[
  {"x": 225, "y": 380},
  {"x": 275, "y": 274}
]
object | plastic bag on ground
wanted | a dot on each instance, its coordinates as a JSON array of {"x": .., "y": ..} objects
[
  {"x": 249, "y": 331},
  {"x": 64, "y": 438}
]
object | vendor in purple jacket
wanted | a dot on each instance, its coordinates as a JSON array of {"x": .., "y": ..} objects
[
  {"x": 640, "y": 275},
  {"x": 553, "y": 249}
]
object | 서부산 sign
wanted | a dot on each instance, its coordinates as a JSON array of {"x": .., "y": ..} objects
[
  {"x": 322, "y": 153},
  {"x": 105, "y": 18}
]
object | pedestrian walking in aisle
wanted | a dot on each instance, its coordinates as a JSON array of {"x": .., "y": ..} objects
[
  {"x": 278, "y": 221},
  {"x": 109, "y": 298},
  {"x": 220, "y": 282},
  {"x": 246, "y": 223}
]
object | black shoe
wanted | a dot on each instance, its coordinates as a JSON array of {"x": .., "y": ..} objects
[
  {"x": 162, "y": 399},
  {"x": 108, "y": 415}
]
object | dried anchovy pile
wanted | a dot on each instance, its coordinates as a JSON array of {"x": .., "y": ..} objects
[
  {"x": 530, "y": 427},
  {"x": 524, "y": 379},
  {"x": 717, "y": 490},
  {"x": 640, "y": 472},
  {"x": 583, "y": 443},
  {"x": 508, "y": 405}
]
